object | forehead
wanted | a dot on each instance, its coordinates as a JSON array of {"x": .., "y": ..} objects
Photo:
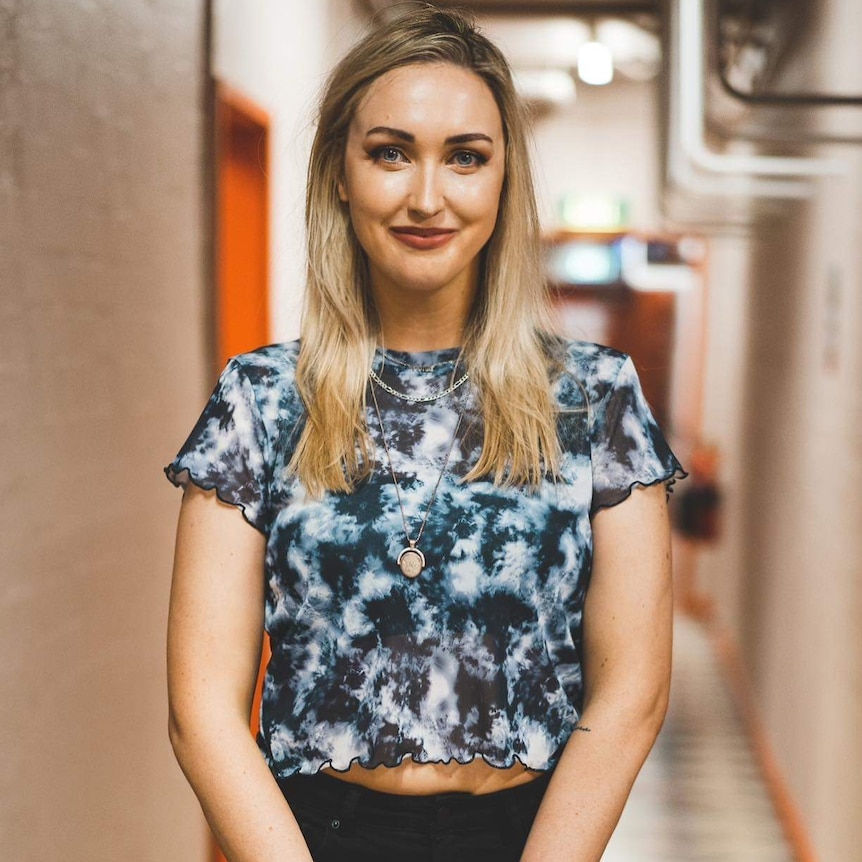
[{"x": 438, "y": 96}]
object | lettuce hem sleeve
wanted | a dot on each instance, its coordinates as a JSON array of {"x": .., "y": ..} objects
[
  {"x": 628, "y": 448},
  {"x": 614, "y": 496},
  {"x": 227, "y": 449},
  {"x": 181, "y": 477}
]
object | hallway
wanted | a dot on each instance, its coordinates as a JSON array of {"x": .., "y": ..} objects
[
  {"x": 725, "y": 231},
  {"x": 700, "y": 796}
]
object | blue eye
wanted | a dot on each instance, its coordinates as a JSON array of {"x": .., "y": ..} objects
[
  {"x": 388, "y": 155},
  {"x": 467, "y": 159}
]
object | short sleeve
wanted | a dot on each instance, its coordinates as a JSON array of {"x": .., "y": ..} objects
[
  {"x": 226, "y": 449},
  {"x": 628, "y": 447}
]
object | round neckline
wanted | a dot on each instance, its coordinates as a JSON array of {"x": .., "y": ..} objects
[{"x": 417, "y": 360}]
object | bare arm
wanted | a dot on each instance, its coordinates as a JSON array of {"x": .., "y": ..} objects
[
  {"x": 215, "y": 630},
  {"x": 627, "y": 656}
]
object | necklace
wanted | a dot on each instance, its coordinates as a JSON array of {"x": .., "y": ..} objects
[
  {"x": 419, "y": 399},
  {"x": 411, "y": 560},
  {"x": 388, "y": 357}
]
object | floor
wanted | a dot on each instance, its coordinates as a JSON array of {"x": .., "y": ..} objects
[{"x": 700, "y": 796}]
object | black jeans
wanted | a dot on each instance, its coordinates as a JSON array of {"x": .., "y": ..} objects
[{"x": 343, "y": 822}]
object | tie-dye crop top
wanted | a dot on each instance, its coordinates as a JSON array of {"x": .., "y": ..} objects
[{"x": 479, "y": 656}]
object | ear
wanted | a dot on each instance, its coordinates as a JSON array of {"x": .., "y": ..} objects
[{"x": 342, "y": 191}]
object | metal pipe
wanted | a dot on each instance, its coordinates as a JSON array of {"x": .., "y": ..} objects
[
  {"x": 691, "y": 48},
  {"x": 774, "y": 97}
]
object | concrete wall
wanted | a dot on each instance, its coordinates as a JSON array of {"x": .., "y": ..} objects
[
  {"x": 783, "y": 398},
  {"x": 101, "y": 323},
  {"x": 800, "y": 601}
]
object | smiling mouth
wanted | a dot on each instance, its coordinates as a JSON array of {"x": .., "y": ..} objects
[{"x": 422, "y": 238}]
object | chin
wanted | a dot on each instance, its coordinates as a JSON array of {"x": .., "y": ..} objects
[{"x": 420, "y": 285}]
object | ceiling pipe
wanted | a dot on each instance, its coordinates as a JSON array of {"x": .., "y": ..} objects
[
  {"x": 690, "y": 47},
  {"x": 783, "y": 99},
  {"x": 735, "y": 194},
  {"x": 712, "y": 190},
  {"x": 758, "y": 128}
]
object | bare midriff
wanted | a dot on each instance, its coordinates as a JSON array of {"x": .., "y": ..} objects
[{"x": 420, "y": 779}]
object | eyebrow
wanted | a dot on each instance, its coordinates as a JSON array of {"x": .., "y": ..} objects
[{"x": 407, "y": 137}]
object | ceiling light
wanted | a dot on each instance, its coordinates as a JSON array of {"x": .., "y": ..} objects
[{"x": 595, "y": 64}]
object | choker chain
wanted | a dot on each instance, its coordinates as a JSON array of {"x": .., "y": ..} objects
[{"x": 388, "y": 357}]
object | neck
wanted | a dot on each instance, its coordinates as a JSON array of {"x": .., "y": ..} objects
[
  {"x": 420, "y": 339},
  {"x": 414, "y": 321}
]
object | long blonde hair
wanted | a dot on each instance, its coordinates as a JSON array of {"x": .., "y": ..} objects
[{"x": 506, "y": 347}]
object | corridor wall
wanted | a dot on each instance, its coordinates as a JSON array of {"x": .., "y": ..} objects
[
  {"x": 784, "y": 400},
  {"x": 800, "y": 601},
  {"x": 102, "y": 328}
]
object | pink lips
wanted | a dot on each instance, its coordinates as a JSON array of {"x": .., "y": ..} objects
[{"x": 423, "y": 239}]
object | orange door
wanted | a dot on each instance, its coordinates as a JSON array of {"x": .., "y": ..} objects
[
  {"x": 242, "y": 224},
  {"x": 241, "y": 249}
]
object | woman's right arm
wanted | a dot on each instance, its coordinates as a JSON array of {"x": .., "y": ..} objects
[{"x": 215, "y": 630}]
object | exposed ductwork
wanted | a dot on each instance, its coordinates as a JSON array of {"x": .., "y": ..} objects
[{"x": 732, "y": 181}]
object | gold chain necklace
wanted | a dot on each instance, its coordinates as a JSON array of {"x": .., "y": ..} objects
[{"x": 411, "y": 560}]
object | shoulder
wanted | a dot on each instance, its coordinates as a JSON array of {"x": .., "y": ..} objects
[
  {"x": 270, "y": 372},
  {"x": 588, "y": 371},
  {"x": 272, "y": 362}
]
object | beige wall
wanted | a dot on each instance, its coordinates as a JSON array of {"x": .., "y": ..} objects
[
  {"x": 783, "y": 399},
  {"x": 726, "y": 358},
  {"x": 101, "y": 326},
  {"x": 605, "y": 142},
  {"x": 800, "y": 610}
]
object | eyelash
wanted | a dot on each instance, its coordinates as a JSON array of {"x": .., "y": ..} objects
[{"x": 377, "y": 156}]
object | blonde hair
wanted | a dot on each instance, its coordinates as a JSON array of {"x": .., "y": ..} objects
[{"x": 506, "y": 346}]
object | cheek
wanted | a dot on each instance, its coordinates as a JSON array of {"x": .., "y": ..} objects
[
  {"x": 483, "y": 203},
  {"x": 374, "y": 190}
]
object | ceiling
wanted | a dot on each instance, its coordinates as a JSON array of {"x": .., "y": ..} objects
[{"x": 542, "y": 39}]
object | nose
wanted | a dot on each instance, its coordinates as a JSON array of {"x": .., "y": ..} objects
[{"x": 426, "y": 192}]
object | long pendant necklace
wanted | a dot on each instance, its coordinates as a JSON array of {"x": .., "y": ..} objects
[{"x": 411, "y": 560}]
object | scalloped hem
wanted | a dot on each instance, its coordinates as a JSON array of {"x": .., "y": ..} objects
[
  {"x": 367, "y": 763},
  {"x": 176, "y": 478},
  {"x": 668, "y": 479}
]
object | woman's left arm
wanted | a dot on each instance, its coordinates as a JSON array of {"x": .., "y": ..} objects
[{"x": 628, "y": 626}]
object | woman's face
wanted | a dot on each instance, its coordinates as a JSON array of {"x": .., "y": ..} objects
[{"x": 423, "y": 171}]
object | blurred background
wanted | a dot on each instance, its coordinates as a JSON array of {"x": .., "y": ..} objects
[{"x": 699, "y": 167}]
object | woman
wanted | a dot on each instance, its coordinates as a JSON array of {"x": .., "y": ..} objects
[{"x": 429, "y": 481}]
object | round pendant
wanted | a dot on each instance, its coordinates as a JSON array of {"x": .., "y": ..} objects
[{"x": 411, "y": 561}]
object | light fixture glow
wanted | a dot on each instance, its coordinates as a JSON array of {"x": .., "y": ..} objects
[
  {"x": 589, "y": 263},
  {"x": 595, "y": 64},
  {"x": 593, "y": 212}
]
